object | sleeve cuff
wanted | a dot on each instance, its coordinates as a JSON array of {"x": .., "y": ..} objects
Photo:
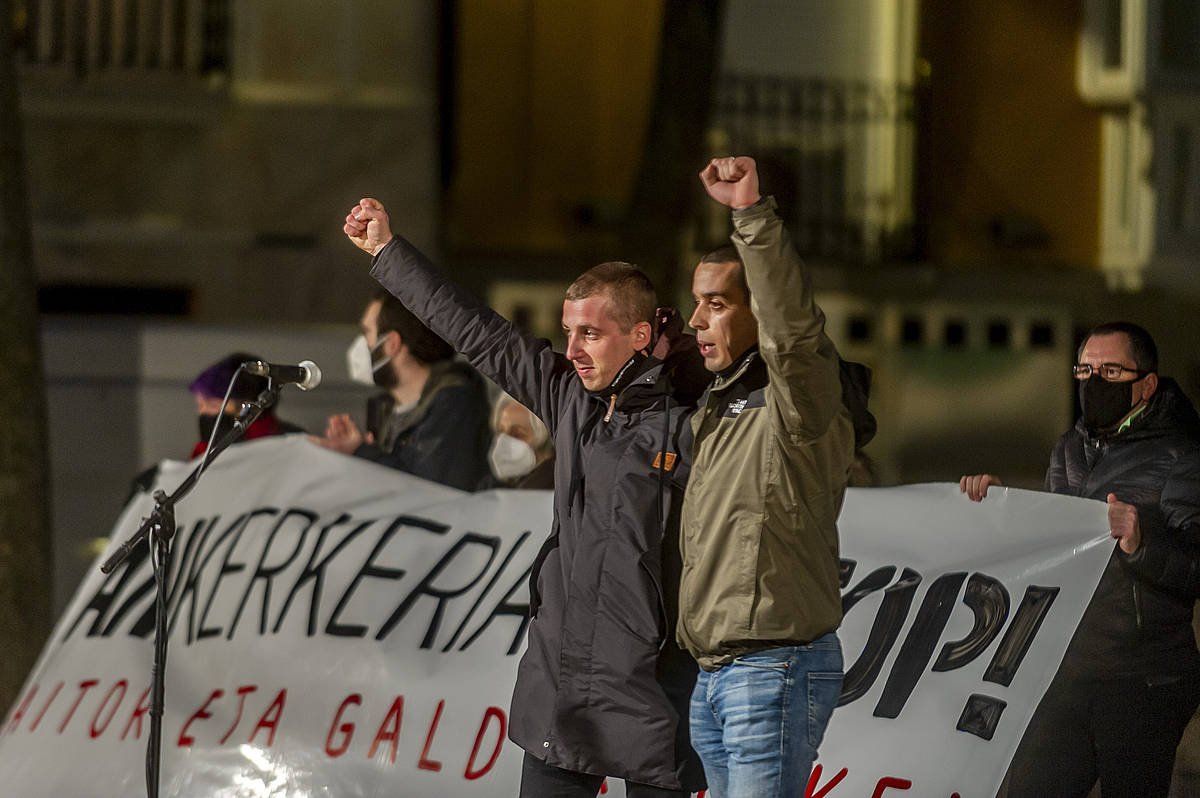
[
  {"x": 389, "y": 245},
  {"x": 1135, "y": 559},
  {"x": 766, "y": 204}
]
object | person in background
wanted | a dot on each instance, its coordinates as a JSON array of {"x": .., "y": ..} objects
[
  {"x": 522, "y": 454},
  {"x": 208, "y": 391},
  {"x": 431, "y": 421},
  {"x": 1130, "y": 679}
]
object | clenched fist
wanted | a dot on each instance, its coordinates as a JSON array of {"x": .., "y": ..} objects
[
  {"x": 733, "y": 182},
  {"x": 1123, "y": 524},
  {"x": 368, "y": 227}
]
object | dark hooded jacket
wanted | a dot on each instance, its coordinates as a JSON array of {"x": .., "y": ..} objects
[
  {"x": 444, "y": 438},
  {"x": 1139, "y": 622},
  {"x": 602, "y": 688}
]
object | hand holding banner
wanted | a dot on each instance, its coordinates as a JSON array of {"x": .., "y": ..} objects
[{"x": 340, "y": 628}]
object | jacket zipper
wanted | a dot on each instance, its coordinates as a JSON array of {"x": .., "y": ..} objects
[
  {"x": 1101, "y": 448},
  {"x": 612, "y": 405},
  {"x": 1137, "y": 606}
]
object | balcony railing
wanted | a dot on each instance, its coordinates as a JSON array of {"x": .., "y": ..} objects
[
  {"x": 837, "y": 154},
  {"x": 93, "y": 37}
]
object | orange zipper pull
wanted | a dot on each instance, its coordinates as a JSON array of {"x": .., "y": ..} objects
[{"x": 612, "y": 405}]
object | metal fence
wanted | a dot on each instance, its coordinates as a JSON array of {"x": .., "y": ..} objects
[{"x": 89, "y": 37}]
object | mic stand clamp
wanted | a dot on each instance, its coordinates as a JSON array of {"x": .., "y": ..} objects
[{"x": 159, "y": 529}]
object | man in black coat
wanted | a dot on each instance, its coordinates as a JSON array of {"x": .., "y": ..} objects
[
  {"x": 602, "y": 690},
  {"x": 1130, "y": 680}
]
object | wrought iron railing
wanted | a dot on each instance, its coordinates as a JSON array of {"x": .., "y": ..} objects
[
  {"x": 90, "y": 37},
  {"x": 839, "y": 156}
]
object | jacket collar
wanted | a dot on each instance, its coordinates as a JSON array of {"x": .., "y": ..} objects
[
  {"x": 736, "y": 370},
  {"x": 640, "y": 383}
]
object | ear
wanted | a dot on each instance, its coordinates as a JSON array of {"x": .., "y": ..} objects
[
  {"x": 641, "y": 335},
  {"x": 1149, "y": 386},
  {"x": 391, "y": 343}
]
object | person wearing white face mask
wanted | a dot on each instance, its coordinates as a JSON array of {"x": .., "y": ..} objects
[
  {"x": 522, "y": 454},
  {"x": 432, "y": 419}
]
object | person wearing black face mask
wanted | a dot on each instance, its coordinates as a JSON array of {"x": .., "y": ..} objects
[
  {"x": 1130, "y": 680},
  {"x": 208, "y": 391}
]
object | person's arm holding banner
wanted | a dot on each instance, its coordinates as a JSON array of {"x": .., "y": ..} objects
[
  {"x": 1161, "y": 544},
  {"x": 976, "y": 485},
  {"x": 525, "y": 367}
]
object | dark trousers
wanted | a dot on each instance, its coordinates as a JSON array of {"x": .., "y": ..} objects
[
  {"x": 539, "y": 780},
  {"x": 1123, "y": 732}
]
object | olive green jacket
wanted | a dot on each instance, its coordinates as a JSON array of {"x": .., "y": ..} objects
[{"x": 773, "y": 446}]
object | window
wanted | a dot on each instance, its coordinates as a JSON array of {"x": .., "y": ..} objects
[
  {"x": 1112, "y": 54},
  {"x": 1111, "y": 50},
  {"x": 1041, "y": 335},
  {"x": 999, "y": 334},
  {"x": 912, "y": 331},
  {"x": 1179, "y": 195},
  {"x": 1179, "y": 37},
  {"x": 858, "y": 329},
  {"x": 955, "y": 333}
]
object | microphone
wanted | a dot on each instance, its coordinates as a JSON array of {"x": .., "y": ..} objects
[{"x": 305, "y": 376}]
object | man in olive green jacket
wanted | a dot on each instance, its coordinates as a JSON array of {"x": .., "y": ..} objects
[{"x": 759, "y": 595}]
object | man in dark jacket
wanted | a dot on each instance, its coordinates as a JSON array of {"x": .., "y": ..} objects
[
  {"x": 432, "y": 419},
  {"x": 1130, "y": 680},
  {"x": 601, "y": 690}
]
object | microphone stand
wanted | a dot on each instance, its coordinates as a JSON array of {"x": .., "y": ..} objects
[{"x": 159, "y": 527}]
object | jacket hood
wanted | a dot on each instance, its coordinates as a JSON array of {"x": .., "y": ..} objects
[{"x": 680, "y": 356}]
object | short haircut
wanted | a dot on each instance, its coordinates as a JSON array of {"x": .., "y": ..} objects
[
  {"x": 729, "y": 254},
  {"x": 422, "y": 342},
  {"x": 1141, "y": 344},
  {"x": 631, "y": 294}
]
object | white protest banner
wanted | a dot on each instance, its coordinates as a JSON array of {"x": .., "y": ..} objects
[{"x": 341, "y": 629}]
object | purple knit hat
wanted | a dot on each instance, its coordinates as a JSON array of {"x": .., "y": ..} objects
[{"x": 212, "y": 382}]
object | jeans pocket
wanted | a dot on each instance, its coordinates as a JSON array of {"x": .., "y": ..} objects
[{"x": 824, "y": 690}]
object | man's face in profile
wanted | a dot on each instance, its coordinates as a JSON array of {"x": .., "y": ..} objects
[
  {"x": 725, "y": 327},
  {"x": 596, "y": 344}
]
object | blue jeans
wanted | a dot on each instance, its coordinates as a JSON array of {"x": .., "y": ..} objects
[{"x": 757, "y": 722}]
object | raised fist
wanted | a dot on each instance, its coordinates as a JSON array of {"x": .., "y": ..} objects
[
  {"x": 367, "y": 226},
  {"x": 731, "y": 181}
]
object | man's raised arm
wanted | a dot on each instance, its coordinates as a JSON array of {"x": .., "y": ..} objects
[
  {"x": 525, "y": 367},
  {"x": 801, "y": 360}
]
